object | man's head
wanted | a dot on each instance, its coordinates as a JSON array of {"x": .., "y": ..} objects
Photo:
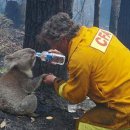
[{"x": 58, "y": 31}]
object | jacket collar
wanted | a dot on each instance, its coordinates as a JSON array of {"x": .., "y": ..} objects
[{"x": 73, "y": 44}]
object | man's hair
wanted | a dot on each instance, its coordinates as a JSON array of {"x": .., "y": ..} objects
[{"x": 58, "y": 26}]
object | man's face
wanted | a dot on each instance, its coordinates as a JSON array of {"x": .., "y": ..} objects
[{"x": 61, "y": 45}]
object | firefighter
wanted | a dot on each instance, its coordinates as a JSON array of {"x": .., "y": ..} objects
[{"x": 98, "y": 66}]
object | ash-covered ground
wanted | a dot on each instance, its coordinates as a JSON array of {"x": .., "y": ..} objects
[{"x": 52, "y": 114}]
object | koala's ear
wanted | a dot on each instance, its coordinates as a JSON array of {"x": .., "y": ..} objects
[
  {"x": 8, "y": 57},
  {"x": 9, "y": 61}
]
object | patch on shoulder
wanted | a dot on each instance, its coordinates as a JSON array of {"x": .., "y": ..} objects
[{"x": 101, "y": 40}]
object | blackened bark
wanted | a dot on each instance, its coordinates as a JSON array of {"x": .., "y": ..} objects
[
  {"x": 37, "y": 12},
  {"x": 96, "y": 13},
  {"x": 115, "y": 9},
  {"x": 124, "y": 23},
  {"x": 12, "y": 11}
]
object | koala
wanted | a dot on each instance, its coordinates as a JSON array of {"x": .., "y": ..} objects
[{"x": 17, "y": 85}]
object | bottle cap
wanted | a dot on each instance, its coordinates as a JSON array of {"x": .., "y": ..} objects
[{"x": 38, "y": 54}]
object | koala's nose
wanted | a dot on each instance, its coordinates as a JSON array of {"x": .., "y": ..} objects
[{"x": 33, "y": 52}]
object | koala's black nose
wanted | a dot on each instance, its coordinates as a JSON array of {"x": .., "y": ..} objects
[{"x": 33, "y": 52}]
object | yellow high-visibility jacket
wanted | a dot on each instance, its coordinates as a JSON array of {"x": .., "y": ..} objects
[{"x": 98, "y": 67}]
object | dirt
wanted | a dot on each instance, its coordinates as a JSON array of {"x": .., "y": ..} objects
[
  {"x": 61, "y": 121},
  {"x": 61, "y": 118},
  {"x": 49, "y": 105}
]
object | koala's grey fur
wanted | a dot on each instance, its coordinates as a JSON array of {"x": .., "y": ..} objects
[{"x": 17, "y": 85}]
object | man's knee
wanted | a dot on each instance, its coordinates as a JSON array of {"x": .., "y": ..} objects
[{"x": 100, "y": 118}]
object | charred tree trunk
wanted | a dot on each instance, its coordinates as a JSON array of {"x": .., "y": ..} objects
[
  {"x": 124, "y": 23},
  {"x": 115, "y": 9},
  {"x": 37, "y": 12},
  {"x": 12, "y": 11},
  {"x": 96, "y": 13}
]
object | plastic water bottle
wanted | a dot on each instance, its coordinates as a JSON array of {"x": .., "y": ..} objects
[{"x": 51, "y": 57}]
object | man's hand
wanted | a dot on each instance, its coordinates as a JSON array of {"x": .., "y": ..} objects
[
  {"x": 49, "y": 79},
  {"x": 54, "y": 51}
]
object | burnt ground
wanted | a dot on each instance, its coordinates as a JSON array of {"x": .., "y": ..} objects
[
  {"x": 61, "y": 121},
  {"x": 49, "y": 104}
]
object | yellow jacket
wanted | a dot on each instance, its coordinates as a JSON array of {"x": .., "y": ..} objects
[{"x": 98, "y": 67}]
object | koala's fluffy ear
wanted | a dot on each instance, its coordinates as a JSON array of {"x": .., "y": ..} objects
[
  {"x": 8, "y": 57},
  {"x": 9, "y": 61}
]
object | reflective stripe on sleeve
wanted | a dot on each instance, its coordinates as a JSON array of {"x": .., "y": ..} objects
[
  {"x": 61, "y": 89},
  {"x": 85, "y": 126}
]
